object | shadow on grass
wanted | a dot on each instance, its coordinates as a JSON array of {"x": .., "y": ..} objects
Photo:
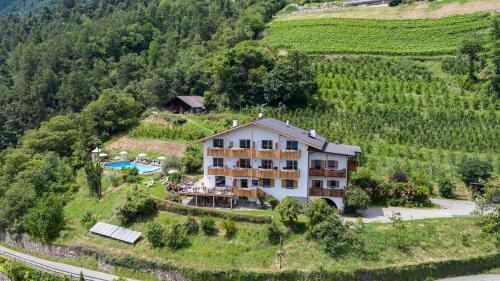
[{"x": 296, "y": 227}]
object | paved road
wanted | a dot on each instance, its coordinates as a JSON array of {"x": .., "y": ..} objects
[
  {"x": 449, "y": 208},
  {"x": 90, "y": 275},
  {"x": 482, "y": 277}
]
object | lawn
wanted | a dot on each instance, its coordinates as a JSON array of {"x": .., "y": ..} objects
[
  {"x": 374, "y": 36},
  {"x": 426, "y": 240}
]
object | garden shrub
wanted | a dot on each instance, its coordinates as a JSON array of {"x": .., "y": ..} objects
[
  {"x": 446, "y": 188},
  {"x": 208, "y": 225},
  {"x": 171, "y": 162},
  {"x": 181, "y": 209},
  {"x": 176, "y": 237},
  {"x": 88, "y": 220},
  {"x": 229, "y": 227},
  {"x": 490, "y": 222},
  {"x": 137, "y": 204},
  {"x": 273, "y": 233},
  {"x": 333, "y": 236},
  {"x": 155, "y": 233},
  {"x": 355, "y": 199},
  {"x": 191, "y": 226},
  {"x": 192, "y": 161},
  {"x": 289, "y": 209},
  {"x": 46, "y": 219},
  {"x": 273, "y": 202},
  {"x": 317, "y": 211}
]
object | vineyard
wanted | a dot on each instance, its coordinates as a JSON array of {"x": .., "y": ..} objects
[
  {"x": 402, "y": 114},
  {"x": 370, "y": 36}
]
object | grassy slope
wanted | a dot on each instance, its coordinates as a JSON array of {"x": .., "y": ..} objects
[
  {"x": 429, "y": 239},
  {"x": 366, "y": 36}
]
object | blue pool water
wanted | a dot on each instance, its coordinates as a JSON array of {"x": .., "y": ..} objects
[{"x": 143, "y": 169}]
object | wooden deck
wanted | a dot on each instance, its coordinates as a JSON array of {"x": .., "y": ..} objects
[{"x": 212, "y": 197}]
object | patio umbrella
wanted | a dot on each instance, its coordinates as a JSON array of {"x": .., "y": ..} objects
[
  {"x": 173, "y": 171},
  {"x": 96, "y": 150},
  {"x": 162, "y": 158},
  {"x": 103, "y": 155},
  {"x": 123, "y": 153},
  {"x": 142, "y": 155}
]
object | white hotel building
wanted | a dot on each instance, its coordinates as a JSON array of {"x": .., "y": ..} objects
[{"x": 267, "y": 155}]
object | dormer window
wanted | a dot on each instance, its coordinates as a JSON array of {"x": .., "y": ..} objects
[
  {"x": 292, "y": 145},
  {"x": 267, "y": 144},
  {"x": 219, "y": 143},
  {"x": 245, "y": 144}
]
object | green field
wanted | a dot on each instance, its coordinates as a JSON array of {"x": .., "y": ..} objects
[{"x": 369, "y": 36}]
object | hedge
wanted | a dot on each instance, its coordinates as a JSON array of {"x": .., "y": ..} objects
[
  {"x": 414, "y": 272},
  {"x": 177, "y": 208}
]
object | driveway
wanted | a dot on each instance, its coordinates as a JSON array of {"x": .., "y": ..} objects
[
  {"x": 481, "y": 277},
  {"x": 448, "y": 209},
  {"x": 57, "y": 267}
]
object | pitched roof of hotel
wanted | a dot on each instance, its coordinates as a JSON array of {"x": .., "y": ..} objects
[{"x": 318, "y": 142}]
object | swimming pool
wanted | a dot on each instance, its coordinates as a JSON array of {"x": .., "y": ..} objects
[{"x": 143, "y": 169}]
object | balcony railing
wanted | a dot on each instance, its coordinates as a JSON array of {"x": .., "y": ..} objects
[
  {"x": 327, "y": 173},
  {"x": 314, "y": 191},
  {"x": 218, "y": 171},
  {"x": 254, "y": 173},
  {"x": 254, "y": 153},
  {"x": 267, "y": 173},
  {"x": 290, "y": 174}
]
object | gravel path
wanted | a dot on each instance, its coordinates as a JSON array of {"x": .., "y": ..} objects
[{"x": 448, "y": 209}]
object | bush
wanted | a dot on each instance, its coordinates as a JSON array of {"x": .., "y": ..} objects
[
  {"x": 208, "y": 225},
  {"x": 355, "y": 199},
  {"x": 475, "y": 170},
  {"x": 172, "y": 162},
  {"x": 273, "y": 233},
  {"x": 192, "y": 160},
  {"x": 229, "y": 227},
  {"x": 176, "y": 238},
  {"x": 317, "y": 211},
  {"x": 273, "y": 202},
  {"x": 175, "y": 178},
  {"x": 393, "y": 3},
  {"x": 127, "y": 171},
  {"x": 490, "y": 222},
  {"x": 399, "y": 176},
  {"x": 88, "y": 220},
  {"x": 191, "y": 226},
  {"x": 446, "y": 188},
  {"x": 177, "y": 208},
  {"x": 155, "y": 233},
  {"x": 289, "y": 209},
  {"x": 333, "y": 236},
  {"x": 46, "y": 219},
  {"x": 137, "y": 204}
]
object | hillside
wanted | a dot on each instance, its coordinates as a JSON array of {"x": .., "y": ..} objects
[
  {"x": 23, "y": 6},
  {"x": 375, "y": 36}
]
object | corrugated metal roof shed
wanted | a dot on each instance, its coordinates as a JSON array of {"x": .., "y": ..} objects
[{"x": 116, "y": 232}]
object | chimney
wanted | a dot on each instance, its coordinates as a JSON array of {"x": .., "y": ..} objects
[
  {"x": 287, "y": 123},
  {"x": 235, "y": 122},
  {"x": 312, "y": 133}
]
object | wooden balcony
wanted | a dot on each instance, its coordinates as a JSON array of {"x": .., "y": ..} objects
[
  {"x": 241, "y": 153},
  {"x": 267, "y": 173},
  {"x": 290, "y": 174},
  {"x": 335, "y": 173},
  {"x": 217, "y": 152},
  {"x": 267, "y": 153},
  {"x": 243, "y": 172},
  {"x": 218, "y": 171},
  {"x": 254, "y": 153},
  {"x": 327, "y": 173},
  {"x": 244, "y": 192},
  {"x": 290, "y": 154},
  {"x": 326, "y": 192}
]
